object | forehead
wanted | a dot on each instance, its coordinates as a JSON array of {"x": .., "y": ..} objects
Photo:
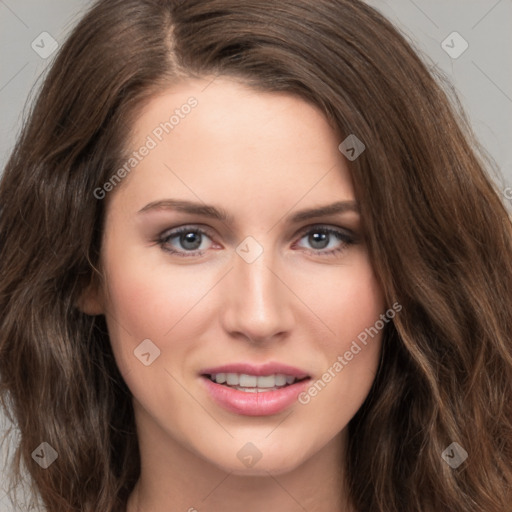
[{"x": 222, "y": 139}]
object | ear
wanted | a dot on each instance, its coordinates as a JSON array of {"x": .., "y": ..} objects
[{"x": 91, "y": 301}]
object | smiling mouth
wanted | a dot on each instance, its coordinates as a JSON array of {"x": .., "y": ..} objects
[{"x": 254, "y": 383}]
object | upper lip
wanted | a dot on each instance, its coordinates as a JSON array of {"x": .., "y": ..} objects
[{"x": 270, "y": 368}]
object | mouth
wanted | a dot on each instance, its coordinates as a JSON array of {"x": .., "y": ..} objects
[
  {"x": 249, "y": 390},
  {"x": 254, "y": 390},
  {"x": 254, "y": 383}
]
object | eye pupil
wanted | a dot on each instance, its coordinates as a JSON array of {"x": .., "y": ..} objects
[
  {"x": 190, "y": 240},
  {"x": 319, "y": 240}
]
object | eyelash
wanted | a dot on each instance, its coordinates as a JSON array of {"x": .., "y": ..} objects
[{"x": 346, "y": 239}]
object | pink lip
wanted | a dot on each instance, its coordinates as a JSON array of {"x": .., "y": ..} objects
[
  {"x": 254, "y": 404},
  {"x": 260, "y": 370}
]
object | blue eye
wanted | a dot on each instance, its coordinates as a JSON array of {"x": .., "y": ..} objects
[
  {"x": 190, "y": 241},
  {"x": 326, "y": 241},
  {"x": 187, "y": 239}
]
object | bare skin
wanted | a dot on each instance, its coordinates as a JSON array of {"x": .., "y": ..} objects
[{"x": 260, "y": 157}]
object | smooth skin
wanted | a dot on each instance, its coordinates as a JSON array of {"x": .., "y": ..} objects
[{"x": 260, "y": 157}]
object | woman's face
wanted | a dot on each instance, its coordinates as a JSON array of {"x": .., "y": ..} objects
[{"x": 215, "y": 262}]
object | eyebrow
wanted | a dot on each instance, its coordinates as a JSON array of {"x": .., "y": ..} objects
[{"x": 220, "y": 214}]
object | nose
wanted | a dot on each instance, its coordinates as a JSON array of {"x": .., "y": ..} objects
[{"x": 257, "y": 302}]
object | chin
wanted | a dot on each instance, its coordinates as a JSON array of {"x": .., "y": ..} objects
[{"x": 278, "y": 461}]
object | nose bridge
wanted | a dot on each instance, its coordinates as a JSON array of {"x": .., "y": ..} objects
[
  {"x": 258, "y": 303},
  {"x": 257, "y": 283}
]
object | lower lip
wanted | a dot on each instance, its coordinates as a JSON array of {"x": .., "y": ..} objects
[{"x": 255, "y": 404}]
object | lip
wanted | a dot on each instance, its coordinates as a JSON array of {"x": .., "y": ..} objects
[
  {"x": 258, "y": 370},
  {"x": 254, "y": 404}
]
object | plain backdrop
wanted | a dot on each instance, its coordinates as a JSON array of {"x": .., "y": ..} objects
[{"x": 482, "y": 73}]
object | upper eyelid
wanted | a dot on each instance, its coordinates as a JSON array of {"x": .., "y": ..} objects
[
  {"x": 186, "y": 227},
  {"x": 208, "y": 230}
]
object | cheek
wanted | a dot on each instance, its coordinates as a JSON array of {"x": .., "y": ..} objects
[
  {"x": 149, "y": 297},
  {"x": 352, "y": 308},
  {"x": 346, "y": 299},
  {"x": 360, "y": 304},
  {"x": 139, "y": 304},
  {"x": 150, "y": 300},
  {"x": 357, "y": 348},
  {"x": 142, "y": 305},
  {"x": 359, "y": 330}
]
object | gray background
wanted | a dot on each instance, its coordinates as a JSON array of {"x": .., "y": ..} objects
[{"x": 482, "y": 74}]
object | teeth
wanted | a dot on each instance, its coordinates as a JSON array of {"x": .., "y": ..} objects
[
  {"x": 267, "y": 381},
  {"x": 248, "y": 381},
  {"x": 220, "y": 378},
  {"x": 232, "y": 379},
  {"x": 280, "y": 380},
  {"x": 256, "y": 390},
  {"x": 242, "y": 380}
]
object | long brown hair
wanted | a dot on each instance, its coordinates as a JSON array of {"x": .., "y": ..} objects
[{"x": 438, "y": 236}]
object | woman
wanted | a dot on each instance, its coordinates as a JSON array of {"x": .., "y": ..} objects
[{"x": 251, "y": 259}]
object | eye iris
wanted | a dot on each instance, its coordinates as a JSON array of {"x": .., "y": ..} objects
[
  {"x": 319, "y": 240},
  {"x": 190, "y": 240}
]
